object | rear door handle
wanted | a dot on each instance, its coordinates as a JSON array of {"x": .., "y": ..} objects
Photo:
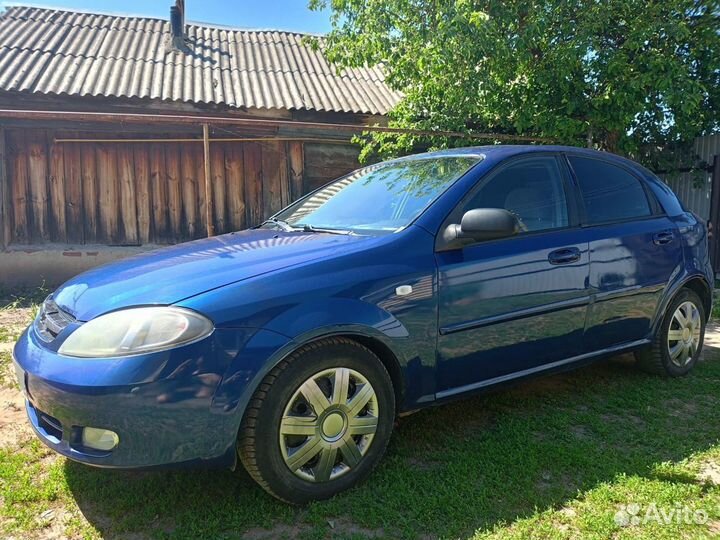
[
  {"x": 664, "y": 237},
  {"x": 564, "y": 256}
]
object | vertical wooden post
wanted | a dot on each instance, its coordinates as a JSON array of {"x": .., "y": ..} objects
[
  {"x": 4, "y": 194},
  {"x": 208, "y": 185},
  {"x": 38, "y": 184},
  {"x": 296, "y": 161},
  {"x": 57, "y": 190},
  {"x": 253, "y": 173}
]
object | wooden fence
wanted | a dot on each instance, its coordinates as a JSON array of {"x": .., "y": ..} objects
[{"x": 152, "y": 193}]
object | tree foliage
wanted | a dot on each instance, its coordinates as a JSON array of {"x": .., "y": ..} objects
[{"x": 628, "y": 76}]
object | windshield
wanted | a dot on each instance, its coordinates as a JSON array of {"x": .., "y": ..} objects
[{"x": 381, "y": 198}]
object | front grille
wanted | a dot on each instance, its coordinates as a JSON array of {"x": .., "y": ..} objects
[{"x": 51, "y": 320}]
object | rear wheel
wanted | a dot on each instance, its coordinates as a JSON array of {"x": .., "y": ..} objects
[
  {"x": 678, "y": 342},
  {"x": 319, "y": 423}
]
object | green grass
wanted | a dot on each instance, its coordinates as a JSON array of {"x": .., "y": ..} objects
[
  {"x": 554, "y": 458},
  {"x": 17, "y": 308},
  {"x": 23, "y": 297}
]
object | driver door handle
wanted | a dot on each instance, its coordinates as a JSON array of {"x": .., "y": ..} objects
[{"x": 564, "y": 256}]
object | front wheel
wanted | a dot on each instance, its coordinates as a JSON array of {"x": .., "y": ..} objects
[
  {"x": 679, "y": 340},
  {"x": 319, "y": 422}
]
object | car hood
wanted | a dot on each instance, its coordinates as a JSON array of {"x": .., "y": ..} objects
[{"x": 169, "y": 275}]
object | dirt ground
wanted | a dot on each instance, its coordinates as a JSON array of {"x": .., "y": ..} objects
[{"x": 13, "y": 423}]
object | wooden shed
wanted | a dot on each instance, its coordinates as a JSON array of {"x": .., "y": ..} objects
[{"x": 119, "y": 133}]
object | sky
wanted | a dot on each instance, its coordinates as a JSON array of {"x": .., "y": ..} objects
[{"x": 271, "y": 14}]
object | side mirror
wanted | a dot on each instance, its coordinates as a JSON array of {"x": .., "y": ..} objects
[{"x": 483, "y": 224}]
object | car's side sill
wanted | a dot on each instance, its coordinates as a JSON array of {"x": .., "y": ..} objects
[{"x": 545, "y": 367}]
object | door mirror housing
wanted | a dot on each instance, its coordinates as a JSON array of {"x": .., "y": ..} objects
[{"x": 483, "y": 224}]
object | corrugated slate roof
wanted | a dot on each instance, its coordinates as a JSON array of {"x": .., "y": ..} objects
[{"x": 61, "y": 52}]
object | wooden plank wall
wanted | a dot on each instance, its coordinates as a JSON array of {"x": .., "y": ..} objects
[
  {"x": 324, "y": 162},
  {"x": 152, "y": 193}
]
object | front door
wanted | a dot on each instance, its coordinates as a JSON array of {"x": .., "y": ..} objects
[{"x": 513, "y": 306}]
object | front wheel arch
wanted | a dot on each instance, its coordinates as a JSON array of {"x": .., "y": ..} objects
[
  {"x": 377, "y": 346},
  {"x": 387, "y": 357},
  {"x": 256, "y": 431},
  {"x": 367, "y": 337}
]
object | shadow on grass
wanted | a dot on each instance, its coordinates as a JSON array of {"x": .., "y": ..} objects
[{"x": 449, "y": 471}]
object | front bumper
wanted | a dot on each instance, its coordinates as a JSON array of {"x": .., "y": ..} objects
[{"x": 161, "y": 405}]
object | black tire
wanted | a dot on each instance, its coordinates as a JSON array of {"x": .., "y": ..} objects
[
  {"x": 656, "y": 358},
  {"x": 259, "y": 446}
]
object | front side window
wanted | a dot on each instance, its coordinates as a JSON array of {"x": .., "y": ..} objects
[
  {"x": 531, "y": 189},
  {"x": 609, "y": 192},
  {"x": 379, "y": 199}
]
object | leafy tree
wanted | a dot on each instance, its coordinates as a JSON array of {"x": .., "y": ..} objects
[{"x": 628, "y": 76}]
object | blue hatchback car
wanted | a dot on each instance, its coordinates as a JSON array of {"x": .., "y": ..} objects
[{"x": 294, "y": 346}]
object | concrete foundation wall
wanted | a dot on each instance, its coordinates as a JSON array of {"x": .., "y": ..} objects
[{"x": 54, "y": 264}]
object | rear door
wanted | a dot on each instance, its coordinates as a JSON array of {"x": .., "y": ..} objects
[
  {"x": 512, "y": 306},
  {"x": 634, "y": 249}
]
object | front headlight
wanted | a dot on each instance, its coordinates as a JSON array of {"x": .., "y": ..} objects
[{"x": 136, "y": 331}]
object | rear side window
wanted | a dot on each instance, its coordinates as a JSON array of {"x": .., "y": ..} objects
[{"x": 610, "y": 193}]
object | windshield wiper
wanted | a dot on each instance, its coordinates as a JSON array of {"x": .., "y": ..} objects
[
  {"x": 286, "y": 227},
  {"x": 283, "y": 225},
  {"x": 311, "y": 228}
]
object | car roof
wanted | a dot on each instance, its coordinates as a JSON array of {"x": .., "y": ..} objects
[
  {"x": 493, "y": 154},
  {"x": 502, "y": 151}
]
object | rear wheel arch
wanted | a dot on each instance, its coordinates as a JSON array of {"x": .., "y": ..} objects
[
  {"x": 664, "y": 354},
  {"x": 700, "y": 287},
  {"x": 695, "y": 283}
]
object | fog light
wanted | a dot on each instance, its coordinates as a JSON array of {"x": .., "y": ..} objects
[{"x": 99, "y": 439}]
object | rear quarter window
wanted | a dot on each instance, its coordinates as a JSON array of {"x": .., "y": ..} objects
[{"x": 609, "y": 193}]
